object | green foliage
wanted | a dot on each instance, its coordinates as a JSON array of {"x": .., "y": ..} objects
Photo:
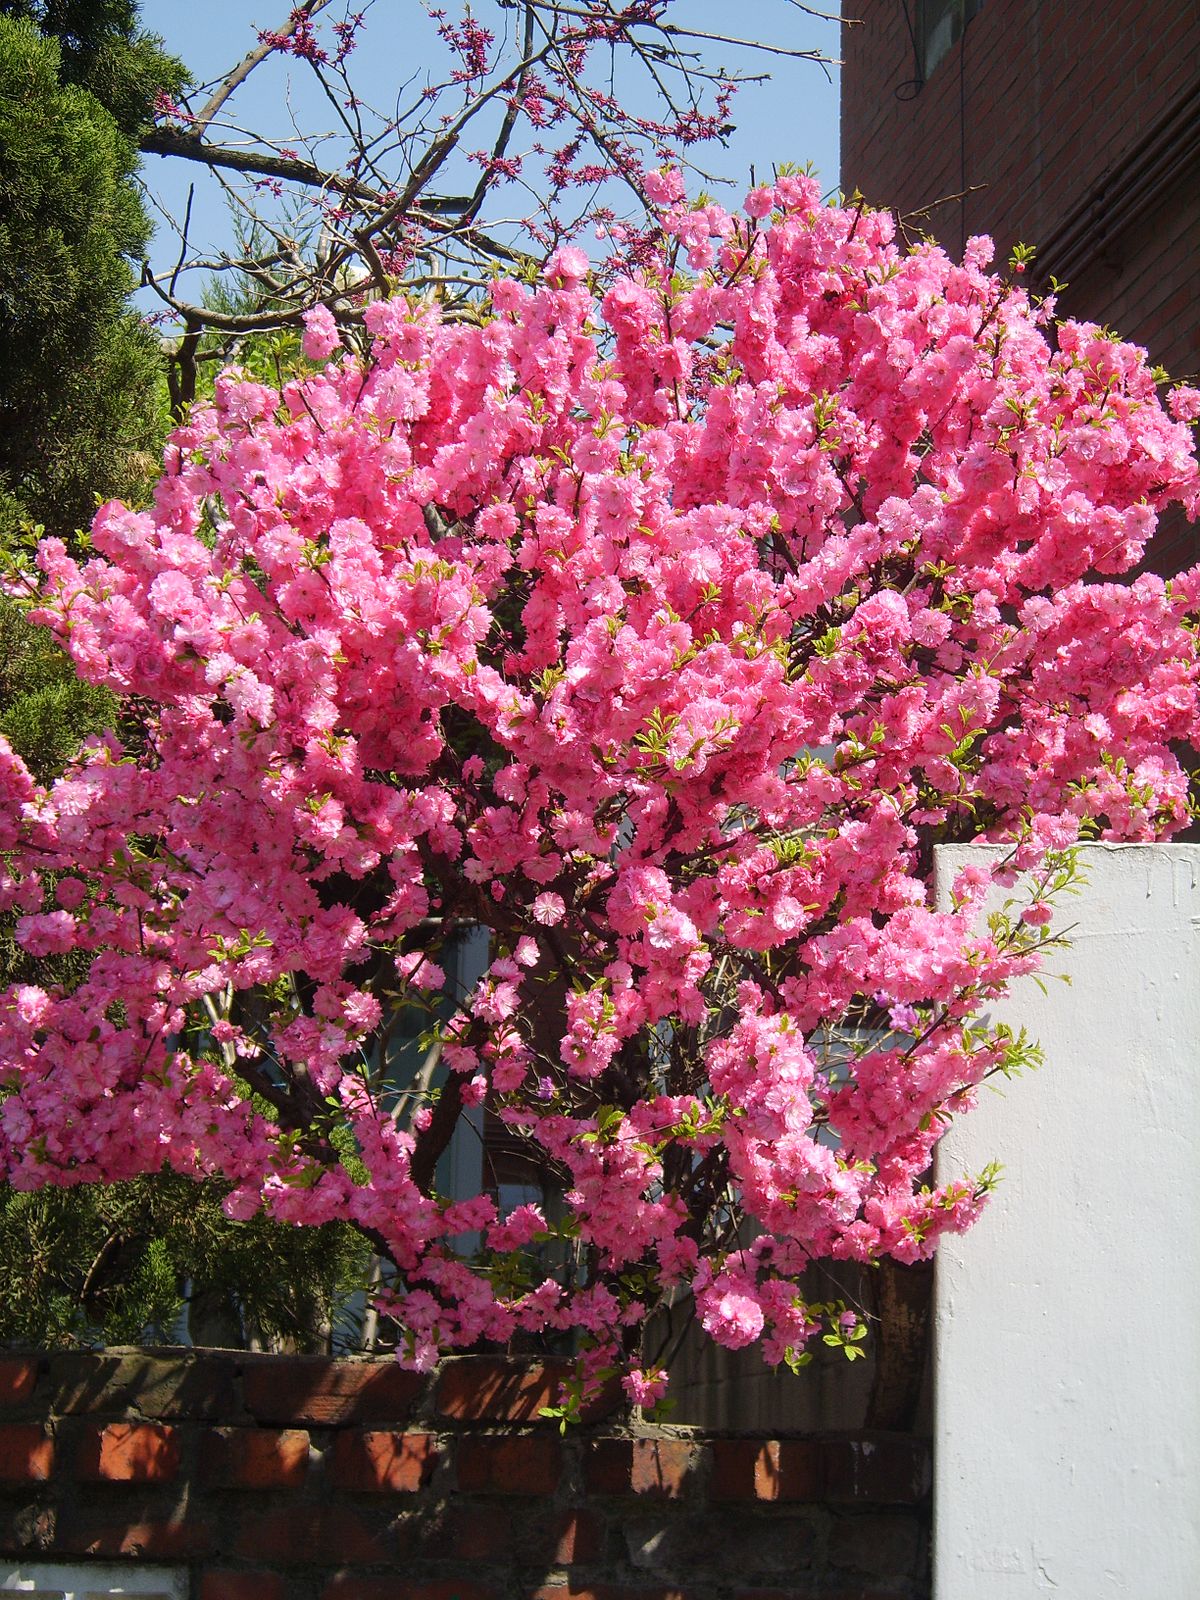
[
  {"x": 136, "y": 1262},
  {"x": 80, "y": 374},
  {"x": 82, "y": 416},
  {"x": 104, "y": 51},
  {"x": 80, "y": 406},
  {"x": 45, "y": 711},
  {"x": 45, "y": 714}
]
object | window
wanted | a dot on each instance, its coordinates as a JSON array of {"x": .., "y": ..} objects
[
  {"x": 409, "y": 1068},
  {"x": 93, "y": 1580},
  {"x": 940, "y": 25}
]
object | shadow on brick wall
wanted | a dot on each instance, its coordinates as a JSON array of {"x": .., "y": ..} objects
[{"x": 301, "y": 1478}]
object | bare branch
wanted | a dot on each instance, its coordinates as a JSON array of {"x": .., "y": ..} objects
[
  {"x": 760, "y": 45},
  {"x": 359, "y": 207},
  {"x": 288, "y": 169},
  {"x": 169, "y": 141},
  {"x": 265, "y": 47},
  {"x": 183, "y": 237},
  {"x": 672, "y": 30},
  {"x": 510, "y": 116}
]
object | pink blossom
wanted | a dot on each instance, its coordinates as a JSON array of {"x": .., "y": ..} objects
[
  {"x": 664, "y": 186},
  {"x": 321, "y": 336},
  {"x": 645, "y": 1388},
  {"x": 734, "y": 1319},
  {"x": 419, "y": 970},
  {"x": 567, "y": 265},
  {"x": 548, "y": 909},
  {"x": 651, "y": 642},
  {"x": 48, "y": 933}
]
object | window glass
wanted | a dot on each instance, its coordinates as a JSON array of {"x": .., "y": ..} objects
[{"x": 940, "y": 24}]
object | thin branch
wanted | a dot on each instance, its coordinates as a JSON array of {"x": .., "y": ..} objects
[
  {"x": 266, "y": 46},
  {"x": 103, "y": 1256},
  {"x": 439, "y": 151},
  {"x": 672, "y": 30},
  {"x": 222, "y": 321},
  {"x": 760, "y": 45},
  {"x": 512, "y": 111},
  {"x": 183, "y": 237},
  {"x": 378, "y": 198}
]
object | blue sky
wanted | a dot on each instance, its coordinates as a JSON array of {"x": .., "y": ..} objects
[{"x": 793, "y": 117}]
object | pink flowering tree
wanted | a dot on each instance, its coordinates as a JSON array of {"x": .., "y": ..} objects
[{"x": 662, "y": 638}]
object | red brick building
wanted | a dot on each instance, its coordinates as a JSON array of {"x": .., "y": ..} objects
[{"x": 1072, "y": 128}]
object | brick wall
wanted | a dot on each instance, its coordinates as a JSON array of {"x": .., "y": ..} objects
[
  {"x": 1075, "y": 129},
  {"x": 299, "y": 1478},
  {"x": 1039, "y": 101},
  {"x": 1053, "y": 94}
]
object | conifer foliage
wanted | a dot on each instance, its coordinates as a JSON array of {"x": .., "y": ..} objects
[{"x": 79, "y": 370}]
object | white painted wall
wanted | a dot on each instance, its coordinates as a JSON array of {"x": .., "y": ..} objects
[{"x": 1067, "y": 1343}]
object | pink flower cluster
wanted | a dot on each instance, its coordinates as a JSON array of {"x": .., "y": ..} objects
[{"x": 662, "y": 638}]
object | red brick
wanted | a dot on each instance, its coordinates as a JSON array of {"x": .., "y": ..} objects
[
  {"x": 604, "y": 1591},
  {"x": 884, "y": 1470},
  {"x": 25, "y": 1526},
  {"x": 129, "y": 1452},
  {"x": 318, "y": 1534},
  {"x": 241, "y": 1586},
  {"x": 255, "y": 1458},
  {"x": 473, "y": 1529},
  {"x": 169, "y": 1538},
  {"x": 644, "y": 1466},
  {"x": 191, "y": 1385},
  {"x": 766, "y": 1469},
  {"x": 477, "y": 1530},
  {"x": 570, "y": 1538},
  {"x": 18, "y": 1375},
  {"x": 881, "y": 1546},
  {"x": 291, "y": 1389},
  {"x": 383, "y": 1463},
  {"x": 489, "y": 1389},
  {"x": 26, "y": 1453},
  {"x": 881, "y": 1471},
  {"x": 523, "y": 1464},
  {"x": 738, "y": 1465},
  {"x": 350, "y": 1586}
]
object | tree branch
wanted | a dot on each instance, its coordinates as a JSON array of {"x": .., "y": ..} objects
[
  {"x": 265, "y": 47},
  {"x": 170, "y": 141}
]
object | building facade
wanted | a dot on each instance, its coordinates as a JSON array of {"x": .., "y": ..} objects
[{"x": 1074, "y": 129}]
